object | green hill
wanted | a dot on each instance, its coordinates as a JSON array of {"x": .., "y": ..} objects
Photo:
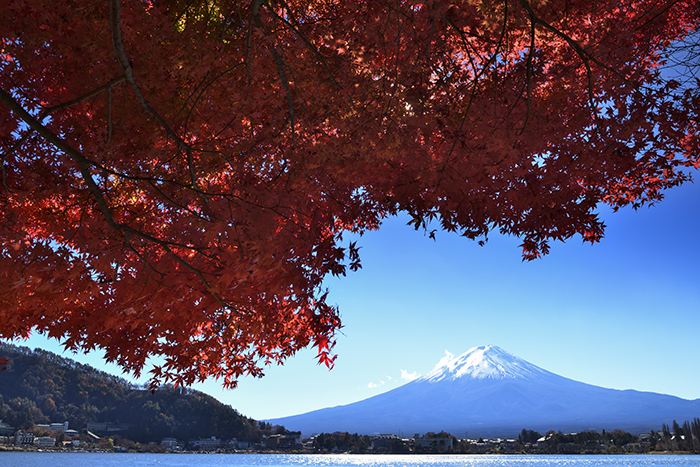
[{"x": 42, "y": 387}]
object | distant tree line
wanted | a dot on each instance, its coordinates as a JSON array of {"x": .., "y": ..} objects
[
  {"x": 680, "y": 437},
  {"x": 584, "y": 441},
  {"x": 685, "y": 437},
  {"x": 342, "y": 442}
]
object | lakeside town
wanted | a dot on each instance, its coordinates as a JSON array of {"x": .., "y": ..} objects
[
  {"x": 51, "y": 403},
  {"x": 106, "y": 437}
]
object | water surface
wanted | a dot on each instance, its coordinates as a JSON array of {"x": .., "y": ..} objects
[{"x": 57, "y": 459}]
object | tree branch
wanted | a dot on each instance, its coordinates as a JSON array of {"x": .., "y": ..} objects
[
  {"x": 84, "y": 97},
  {"x": 585, "y": 57},
  {"x": 311, "y": 47},
  {"x": 123, "y": 60},
  {"x": 84, "y": 167},
  {"x": 47, "y": 111},
  {"x": 78, "y": 157},
  {"x": 285, "y": 82}
]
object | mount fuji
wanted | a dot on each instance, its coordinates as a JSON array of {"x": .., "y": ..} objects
[{"x": 490, "y": 392}]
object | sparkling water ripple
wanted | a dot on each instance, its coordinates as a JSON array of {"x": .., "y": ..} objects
[{"x": 53, "y": 459}]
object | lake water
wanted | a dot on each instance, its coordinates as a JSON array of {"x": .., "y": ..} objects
[{"x": 51, "y": 459}]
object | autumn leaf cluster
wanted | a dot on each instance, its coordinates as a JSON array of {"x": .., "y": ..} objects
[{"x": 177, "y": 176}]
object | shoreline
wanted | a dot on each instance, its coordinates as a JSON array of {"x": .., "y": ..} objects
[{"x": 268, "y": 453}]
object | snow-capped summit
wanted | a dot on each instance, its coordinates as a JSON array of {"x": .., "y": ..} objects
[
  {"x": 490, "y": 392},
  {"x": 486, "y": 361}
]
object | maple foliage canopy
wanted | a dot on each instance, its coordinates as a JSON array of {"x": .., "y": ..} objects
[{"x": 177, "y": 175}]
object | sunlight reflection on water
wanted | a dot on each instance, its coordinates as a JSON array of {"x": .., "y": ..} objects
[{"x": 41, "y": 459}]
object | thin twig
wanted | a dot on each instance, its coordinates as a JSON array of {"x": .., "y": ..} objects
[
  {"x": 109, "y": 116},
  {"x": 285, "y": 82},
  {"x": 84, "y": 97}
]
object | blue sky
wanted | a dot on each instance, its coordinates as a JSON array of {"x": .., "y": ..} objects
[{"x": 624, "y": 313}]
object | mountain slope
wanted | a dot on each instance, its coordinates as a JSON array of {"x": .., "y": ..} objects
[
  {"x": 489, "y": 392},
  {"x": 41, "y": 387}
]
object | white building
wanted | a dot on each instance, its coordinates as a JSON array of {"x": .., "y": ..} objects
[{"x": 59, "y": 426}]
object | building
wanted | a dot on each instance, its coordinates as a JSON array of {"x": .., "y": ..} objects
[
  {"x": 384, "y": 442},
  {"x": 102, "y": 427},
  {"x": 289, "y": 441},
  {"x": 45, "y": 441},
  {"x": 24, "y": 438},
  {"x": 443, "y": 443},
  {"x": 169, "y": 443},
  {"x": 232, "y": 444},
  {"x": 59, "y": 426},
  {"x": 6, "y": 430},
  {"x": 207, "y": 444},
  {"x": 97, "y": 426},
  {"x": 507, "y": 445}
]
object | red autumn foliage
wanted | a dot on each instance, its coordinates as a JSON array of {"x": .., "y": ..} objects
[{"x": 177, "y": 176}]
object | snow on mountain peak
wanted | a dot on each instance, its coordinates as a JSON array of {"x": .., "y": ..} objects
[{"x": 486, "y": 361}]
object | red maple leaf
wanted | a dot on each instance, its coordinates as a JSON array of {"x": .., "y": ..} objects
[{"x": 176, "y": 179}]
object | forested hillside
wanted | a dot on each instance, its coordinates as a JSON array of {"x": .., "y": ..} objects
[{"x": 41, "y": 387}]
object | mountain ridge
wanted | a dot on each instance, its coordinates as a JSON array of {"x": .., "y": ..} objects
[
  {"x": 38, "y": 386},
  {"x": 489, "y": 392}
]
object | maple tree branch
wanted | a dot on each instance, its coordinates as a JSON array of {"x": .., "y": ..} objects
[
  {"x": 466, "y": 43},
  {"x": 49, "y": 110},
  {"x": 311, "y": 47},
  {"x": 109, "y": 116},
  {"x": 528, "y": 77},
  {"x": 202, "y": 88},
  {"x": 279, "y": 62},
  {"x": 285, "y": 82},
  {"x": 123, "y": 60},
  {"x": 657, "y": 14},
  {"x": 254, "y": 18},
  {"x": 152, "y": 180},
  {"x": 195, "y": 92},
  {"x": 84, "y": 167},
  {"x": 14, "y": 147},
  {"x": 201, "y": 277},
  {"x": 585, "y": 57},
  {"x": 105, "y": 87},
  {"x": 477, "y": 76},
  {"x": 4, "y": 178},
  {"x": 77, "y": 156}
]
